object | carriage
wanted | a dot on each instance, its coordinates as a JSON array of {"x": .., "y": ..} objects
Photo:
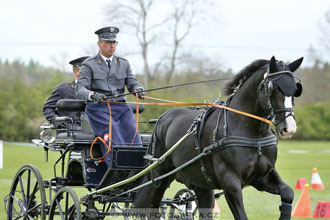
[
  {"x": 31, "y": 197},
  {"x": 220, "y": 148}
]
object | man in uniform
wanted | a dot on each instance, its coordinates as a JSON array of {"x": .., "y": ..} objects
[
  {"x": 104, "y": 77},
  {"x": 64, "y": 90}
]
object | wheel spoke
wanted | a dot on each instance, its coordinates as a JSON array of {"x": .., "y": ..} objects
[
  {"x": 30, "y": 217},
  {"x": 72, "y": 212},
  {"x": 35, "y": 189},
  {"x": 22, "y": 189},
  {"x": 32, "y": 197},
  {"x": 34, "y": 207},
  {"x": 28, "y": 187},
  {"x": 59, "y": 208},
  {"x": 18, "y": 217},
  {"x": 66, "y": 206}
]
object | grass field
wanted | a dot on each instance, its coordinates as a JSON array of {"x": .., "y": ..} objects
[{"x": 296, "y": 159}]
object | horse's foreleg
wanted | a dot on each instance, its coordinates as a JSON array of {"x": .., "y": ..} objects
[
  {"x": 205, "y": 199},
  {"x": 233, "y": 193},
  {"x": 274, "y": 184}
]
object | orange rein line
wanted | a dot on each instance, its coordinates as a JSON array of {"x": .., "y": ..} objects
[
  {"x": 169, "y": 103},
  {"x": 102, "y": 140},
  {"x": 110, "y": 131},
  {"x": 201, "y": 104}
]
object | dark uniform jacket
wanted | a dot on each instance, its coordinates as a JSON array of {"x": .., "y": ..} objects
[
  {"x": 95, "y": 75},
  {"x": 64, "y": 90}
]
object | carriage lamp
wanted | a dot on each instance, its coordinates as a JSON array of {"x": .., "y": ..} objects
[{"x": 48, "y": 136}]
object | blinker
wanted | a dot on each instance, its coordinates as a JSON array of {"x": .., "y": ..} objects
[
  {"x": 297, "y": 93},
  {"x": 298, "y": 90},
  {"x": 286, "y": 84}
]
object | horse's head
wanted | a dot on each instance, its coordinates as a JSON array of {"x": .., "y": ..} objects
[{"x": 280, "y": 87}]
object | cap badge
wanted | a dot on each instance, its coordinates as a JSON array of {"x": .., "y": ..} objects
[{"x": 112, "y": 29}]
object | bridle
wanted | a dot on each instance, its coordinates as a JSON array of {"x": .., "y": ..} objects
[{"x": 268, "y": 89}]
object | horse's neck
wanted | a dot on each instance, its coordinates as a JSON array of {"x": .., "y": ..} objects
[{"x": 240, "y": 125}]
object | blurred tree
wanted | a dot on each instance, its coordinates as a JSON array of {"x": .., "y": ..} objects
[
  {"x": 324, "y": 36},
  {"x": 152, "y": 21},
  {"x": 24, "y": 89},
  {"x": 17, "y": 109},
  {"x": 315, "y": 79},
  {"x": 61, "y": 62}
]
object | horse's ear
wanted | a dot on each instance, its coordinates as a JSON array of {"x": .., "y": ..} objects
[
  {"x": 295, "y": 64},
  {"x": 272, "y": 65}
]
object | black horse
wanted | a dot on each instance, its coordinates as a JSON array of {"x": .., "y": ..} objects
[{"x": 241, "y": 150}]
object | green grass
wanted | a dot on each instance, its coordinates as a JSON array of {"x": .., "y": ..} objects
[{"x": 258, "y": 205}]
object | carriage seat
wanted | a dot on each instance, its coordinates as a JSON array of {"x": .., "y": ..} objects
[{"x": 85, "y": 133}]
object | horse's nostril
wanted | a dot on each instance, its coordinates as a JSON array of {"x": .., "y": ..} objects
[{"x": 284, "y": 131}]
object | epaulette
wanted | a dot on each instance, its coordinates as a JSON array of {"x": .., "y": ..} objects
[{"x": 121, "y": 58}]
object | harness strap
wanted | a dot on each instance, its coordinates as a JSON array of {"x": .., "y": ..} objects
[
  {"x": 233, "y": 141},
  {"x": 199, "y": 125}
]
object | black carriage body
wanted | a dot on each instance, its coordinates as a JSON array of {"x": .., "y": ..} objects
[{"x": 82, "y": 170}]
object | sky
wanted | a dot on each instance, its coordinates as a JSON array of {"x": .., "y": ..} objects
[{"x": 55, "y": 32}]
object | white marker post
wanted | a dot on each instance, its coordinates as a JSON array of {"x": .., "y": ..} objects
[{"x": 1, "y": 154}]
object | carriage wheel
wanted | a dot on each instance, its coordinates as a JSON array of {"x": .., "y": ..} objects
[
  {"x": 65, "y": 205},
  {"x": 27, "y": 199},
  {"x": 186, "y": 206}
]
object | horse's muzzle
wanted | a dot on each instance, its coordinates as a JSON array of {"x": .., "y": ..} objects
[
  {"x": 287, "y": 128},
  {"x": 284, "y": 134}
]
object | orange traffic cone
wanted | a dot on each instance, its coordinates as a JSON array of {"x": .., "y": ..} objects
[
  {"x": 301, "y": 183},
  {"x": 316, "y": 180},
  {"x": 303, "y": 206},
  {"x": 216, "y": 208}
]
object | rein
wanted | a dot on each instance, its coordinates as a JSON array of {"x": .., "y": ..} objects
[
  {"x": 171, "y": 86},
  {"x": 175, "y": 103},
  {"x": 168, "y": 103}
]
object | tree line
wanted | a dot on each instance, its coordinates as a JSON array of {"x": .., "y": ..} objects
[{"x": 24, "y": 88}]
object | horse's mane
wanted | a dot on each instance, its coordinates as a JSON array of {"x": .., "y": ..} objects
[{"x": 244, "y": 74}]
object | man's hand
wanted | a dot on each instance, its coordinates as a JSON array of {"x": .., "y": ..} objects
[
  {"x": 99, "y": 97},
  {"x": 140, "y": 92}
]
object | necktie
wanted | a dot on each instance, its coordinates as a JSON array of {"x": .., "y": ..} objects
[{"x": 109, "y": 63}]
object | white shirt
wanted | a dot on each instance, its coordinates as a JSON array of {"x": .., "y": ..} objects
[{"x": 105, "y": 59}]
